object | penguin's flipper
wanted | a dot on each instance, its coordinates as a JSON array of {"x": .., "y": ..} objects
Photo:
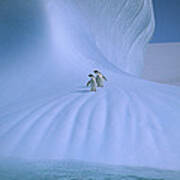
[
  {"x": 104, "y": 78},
  {"x": 88, "y": 83}
]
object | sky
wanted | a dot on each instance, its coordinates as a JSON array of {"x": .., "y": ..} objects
[{"x": 167, "y": 16}]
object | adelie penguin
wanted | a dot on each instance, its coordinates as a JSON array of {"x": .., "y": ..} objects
[
  {"x": 100, "y": 78},
  {"x": 92, "y": 82}
]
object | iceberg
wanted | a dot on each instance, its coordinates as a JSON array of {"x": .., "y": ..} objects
[{"x": 47, "y": 112}]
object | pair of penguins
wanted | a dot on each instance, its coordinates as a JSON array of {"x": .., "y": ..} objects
[{"x": 97, "y": 81}]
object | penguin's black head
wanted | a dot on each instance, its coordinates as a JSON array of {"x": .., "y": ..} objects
[
  {"x": 96, "y": 71},
  {"x": 90, "y": 75}
]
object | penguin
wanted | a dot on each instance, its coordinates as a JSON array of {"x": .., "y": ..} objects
[
  {"x": 92, "y": 82},
  {"x": 99, "y": 78}
]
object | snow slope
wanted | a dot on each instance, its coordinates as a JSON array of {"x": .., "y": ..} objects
[{"x": 47, "y": 112}]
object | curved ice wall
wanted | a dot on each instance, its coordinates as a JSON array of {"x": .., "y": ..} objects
[{"x": 121, "y": 29}]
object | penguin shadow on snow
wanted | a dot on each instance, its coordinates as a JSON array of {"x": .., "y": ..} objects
[
  {"x": 82, "y": 87},
  {"x": 82, "y": 91}
]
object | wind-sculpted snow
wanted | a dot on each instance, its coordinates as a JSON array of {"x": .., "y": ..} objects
[
  {"x": 47, "y": 112},
  {"x": 121, "y": 30}
]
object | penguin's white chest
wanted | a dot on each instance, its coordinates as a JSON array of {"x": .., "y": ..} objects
[
  {"x": 99, "y": 81},
  {"x": 93, "y": 82}
]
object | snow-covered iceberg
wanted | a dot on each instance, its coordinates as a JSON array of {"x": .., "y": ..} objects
[{"x": 48, "y": 113}]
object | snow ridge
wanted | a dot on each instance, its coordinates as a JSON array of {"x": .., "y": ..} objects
[{"x": 121, "y": 30}]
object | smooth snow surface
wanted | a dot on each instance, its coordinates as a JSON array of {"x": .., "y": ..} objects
[
  {"x": 47, "y": 112},
  {"x": 162, "y": 63}
]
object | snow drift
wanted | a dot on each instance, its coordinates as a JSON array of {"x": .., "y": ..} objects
[{"x": 47, "y": 112}]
